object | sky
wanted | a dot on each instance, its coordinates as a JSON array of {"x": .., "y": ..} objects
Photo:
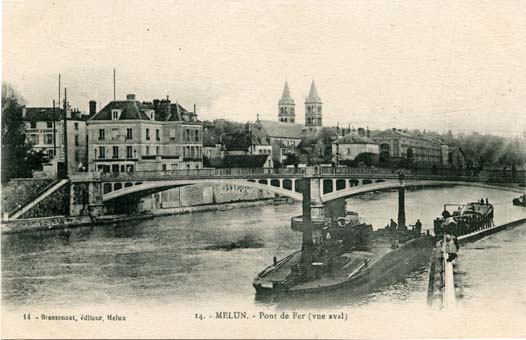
[{"x": 426, "y": 64}]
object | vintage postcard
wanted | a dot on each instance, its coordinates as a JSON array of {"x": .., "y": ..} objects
[{"x": 263, "y": 169}]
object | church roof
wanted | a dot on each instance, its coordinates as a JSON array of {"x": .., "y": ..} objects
[
  {"x": 313, "y": 94},
  {"x": 279, "y": 129},
  {"x": 286, "y": 97}
]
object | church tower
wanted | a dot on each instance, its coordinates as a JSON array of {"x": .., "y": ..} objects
[
  {"x": 313, "y": 106},
  {"x": 286, "y": 106}
]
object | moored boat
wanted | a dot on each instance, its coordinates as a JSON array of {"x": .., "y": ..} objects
[
  {"x": 343, "y": 253},
  {"x": 465, "y": 218}
]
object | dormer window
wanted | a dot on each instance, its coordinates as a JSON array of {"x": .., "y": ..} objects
[{"x": 115, "y": 114}]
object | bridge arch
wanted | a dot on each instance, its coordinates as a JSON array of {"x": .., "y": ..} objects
[
  {"x": 157, "y": 186},
  {"x": 394, "y": 184}
]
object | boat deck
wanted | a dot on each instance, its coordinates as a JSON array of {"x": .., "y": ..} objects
[
  {"x": 282, "y": 269},
  {"x": 356, "y": 260}
]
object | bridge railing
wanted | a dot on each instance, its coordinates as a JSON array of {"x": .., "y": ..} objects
[
  {"x": 438, "y": 174},
  {"x": 201, "y": 173}
]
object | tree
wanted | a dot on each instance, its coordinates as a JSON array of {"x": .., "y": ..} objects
[
  {"x": 367, "y": 158},
  {"x": 292, "y": 159},
  {"x": 17, "y": 158}
]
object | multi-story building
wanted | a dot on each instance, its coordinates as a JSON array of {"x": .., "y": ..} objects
[
  {"x": 403, "y": 145},
  {"x": 45, "y": 133},
  {"x": 127, "y": 135},
  {"x": 348, "y": 147}
]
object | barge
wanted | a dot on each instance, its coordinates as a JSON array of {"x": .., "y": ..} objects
[{"x": 344, "y": 253}]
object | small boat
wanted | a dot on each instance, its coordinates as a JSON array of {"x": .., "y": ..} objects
[
  {"x": 520, "y": 201},
  {"x": 343, "y": 253}
]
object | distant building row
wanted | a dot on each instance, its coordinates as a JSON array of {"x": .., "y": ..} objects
[{"x": 129, "y": 135}]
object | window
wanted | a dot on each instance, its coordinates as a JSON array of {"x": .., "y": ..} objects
[
  {"x": 187, "y": 135},
  {"x": 197, "y": 135},
  {"x": 102, "y": 134},
  {"x": 129, "y": 152},
  {"x": 147, "y": 134},
  {"x": 172, "y": 134},
  {"x": 49, "y": 125},
  {"x": 76, "y": 126},
  {"x": 33, "y": 125},
  {"x": 102, "y": 152},
  {"x": 115, "y": 152},
  {"x": 158, "y": 150},
  {"x": 114, "y": 134},
  {"x": 114, "y": 114},
  {"x": 33, "y": 138},
  {"x": 76, "y": 140},
  {"x": 49, "y": 139},
  {"x": 129, "y": 133},
  {"x": 147, "y": 150},
  {"x": 50, "y": 153},
  {"x": 157, "y": 134}
]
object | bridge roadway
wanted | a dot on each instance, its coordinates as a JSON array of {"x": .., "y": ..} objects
[{"x": 334, "y": 182}]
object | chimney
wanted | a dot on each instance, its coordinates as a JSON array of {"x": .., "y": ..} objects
[
  {"x": 92, "y": 107},
  {"x": 130, "y": 96}
]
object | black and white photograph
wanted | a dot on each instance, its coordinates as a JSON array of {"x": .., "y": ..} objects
[{"x": 263, "y": 169}]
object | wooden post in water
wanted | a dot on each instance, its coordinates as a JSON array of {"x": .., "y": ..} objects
[
  {"x": 401, "y": 208},
  {"x": 307, "y": 244}
]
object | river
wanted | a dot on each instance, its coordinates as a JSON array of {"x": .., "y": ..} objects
[{"x": 162, "y": 267}]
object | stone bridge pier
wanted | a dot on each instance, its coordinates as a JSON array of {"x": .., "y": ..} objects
[
  {"x": 316, "y": 208},
  {"x": 85, "y": 199}
]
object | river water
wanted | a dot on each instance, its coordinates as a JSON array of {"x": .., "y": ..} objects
[{"x": 162, "y": 268}]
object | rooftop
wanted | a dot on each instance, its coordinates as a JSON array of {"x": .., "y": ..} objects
[
  {"x": 353, "y": 138},
  {"x": 278, "y": 129}
]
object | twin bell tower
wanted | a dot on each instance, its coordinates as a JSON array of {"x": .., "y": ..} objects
[{"x": 313, "y": 105}]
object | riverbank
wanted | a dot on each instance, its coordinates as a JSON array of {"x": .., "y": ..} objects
[{"x": 59, "y": 222}]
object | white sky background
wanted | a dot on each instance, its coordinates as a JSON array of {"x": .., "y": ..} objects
[{"x": 437, "y": 65}]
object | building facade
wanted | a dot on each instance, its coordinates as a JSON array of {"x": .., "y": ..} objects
[
  {"x": 348, "y": 147},
  {"x": 45, "y": 133},
  {"x": 402, "y": 145},
  {"x": 128, "y": 135}
]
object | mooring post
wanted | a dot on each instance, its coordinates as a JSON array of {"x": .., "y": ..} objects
[
  {"x": 307, "y": 244},
  {"x": 401, "y": 208}
]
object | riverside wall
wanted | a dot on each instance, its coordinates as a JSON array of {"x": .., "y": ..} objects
[{"x": 190, "y": 199}]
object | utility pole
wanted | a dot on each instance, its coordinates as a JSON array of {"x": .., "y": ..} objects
[
  {"x": 114, "y": 85},
  {"x": 58, "y": 103},
  {"x": 54, "y": 131},
  {"x": 65, "y": 130}
]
